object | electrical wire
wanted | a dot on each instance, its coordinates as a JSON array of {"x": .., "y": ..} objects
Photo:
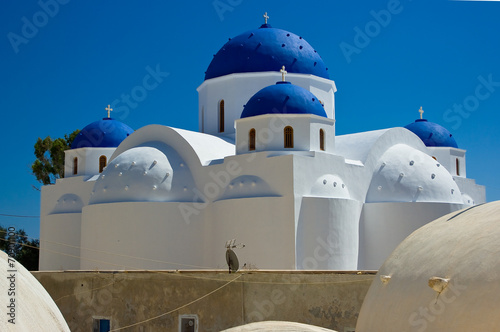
[
  {"x": 179, "y": 308},
  {"x": 17, "y": 216}
]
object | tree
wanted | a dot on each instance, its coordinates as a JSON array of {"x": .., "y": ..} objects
[
  {"x": 18, "y": 246},
  {"x": 49, "y": 153}
]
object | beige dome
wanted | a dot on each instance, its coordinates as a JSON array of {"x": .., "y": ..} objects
[
  {"x": 443, "y": 277},
  {"x": 34, "y": 309},
  {"x": 277, "y": 326}
]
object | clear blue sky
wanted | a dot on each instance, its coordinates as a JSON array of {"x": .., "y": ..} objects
[{"x": 58, "y": 71}]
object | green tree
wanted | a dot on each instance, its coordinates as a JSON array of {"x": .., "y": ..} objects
[
  {"x": 49, "y": 153},
  {"x": 18, "y": 245}
]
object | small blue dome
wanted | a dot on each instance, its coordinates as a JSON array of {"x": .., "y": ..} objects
[
  {"x": 266, "y": 49},
  {"x": 432, "y": 134},
  {"x": 283, "y": 98},
  {"x": 105, "y": 133}
]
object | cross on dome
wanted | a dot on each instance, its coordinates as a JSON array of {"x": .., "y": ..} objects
[
  {"x": 109, "y": 109},
  {"x": 421, "y": 111},
  {"x": 265, "y": 17},
  {"x": 283, "y": 73}
]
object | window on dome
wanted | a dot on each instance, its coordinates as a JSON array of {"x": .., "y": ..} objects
[
  {"x": 322, "y": 140},
  {"x": 102, "y": 163},
  {"x": 75, "y": 166},
  {"x": 288, "y": 134},
  {"x": 251, "y": 140},
  {"x": 221, "y": 116},
  {"x": 458, "y": 166}
]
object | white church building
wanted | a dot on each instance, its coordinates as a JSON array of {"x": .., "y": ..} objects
[{"x": 266, "y": 168}]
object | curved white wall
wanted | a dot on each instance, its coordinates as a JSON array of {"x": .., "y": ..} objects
[
  {"x": 384, "y": 225},
  {"x": 327, "y": 234}
]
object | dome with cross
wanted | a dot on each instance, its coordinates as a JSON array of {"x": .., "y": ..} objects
[
  {"x": 283, "y": 98},
  {"x": 266, "y": 49},
  {"x": 105, "y": 133},
  {"x": 432, "y": 134}
]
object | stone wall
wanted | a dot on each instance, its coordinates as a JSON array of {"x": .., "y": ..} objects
[{"x": 154, "y": 300}]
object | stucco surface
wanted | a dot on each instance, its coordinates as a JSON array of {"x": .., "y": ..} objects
[
  {"x": 443, "y": 277},
  {"x": 325, "y": 299},
  {"x": 277, "y": 326},
  {"x": 31, "y": 307}
]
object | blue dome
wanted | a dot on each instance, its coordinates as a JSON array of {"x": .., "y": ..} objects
[
  {"x": 283, "y": 98},
  {"x": 105, "y": 133},
  {"x": 432, "y": 134},
  {"x": 266, "y": 49}
]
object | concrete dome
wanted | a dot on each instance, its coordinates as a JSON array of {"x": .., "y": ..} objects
[
  {"x": 405, "y": 174},
  {"x": 266, "y": 49},
  {"x": 443, "y": 277},
  {"x": 34, "y": 308},
  {"x": 277, "y": 326},
  {"x": 144, "y": 174}
]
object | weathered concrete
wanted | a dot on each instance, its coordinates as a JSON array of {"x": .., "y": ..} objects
[{"x": 220, "y": 300}]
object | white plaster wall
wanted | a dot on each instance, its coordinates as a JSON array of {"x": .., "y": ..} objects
[
  {"x": 60, "y": 222},
  {"x": 270, "y": 136},
  {"x": 264, "y": 224},
  {"x": 141, "y": 235},
  {"x": 471, "y": 190},
  {"x": 237, "y": 89},
  {"x": 384, "y": 225},
  {"x": 60, "y": 242},
  {"x": 88, "y": 160},
  {"x": 448, "y": 156},
  {"x": 327, "y": 234}
]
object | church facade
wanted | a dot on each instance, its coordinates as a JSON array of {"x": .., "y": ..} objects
[{"x": 273, "y": 175}]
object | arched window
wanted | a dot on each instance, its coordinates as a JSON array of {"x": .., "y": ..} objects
[
  {"x": 251, "y": 140},
  {"x": 221, "y": 116},
  {"x": 434, "y": 158},
  {"x": 458, "y": 166},
  {"x": 203, "y": 119},
  {"x": 102, "y": 163},
  {"x": 288, "y": 134},
  {"x": 75, "y": 166},
  {"x": 322, "y": 140}
]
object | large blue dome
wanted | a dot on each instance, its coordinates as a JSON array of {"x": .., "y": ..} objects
[
  {"x": 283, "y": 98},
  {"x": 432, "y": 134},
  {"x": 266, "y": 49},
  {"x": 105, "y": 133}
]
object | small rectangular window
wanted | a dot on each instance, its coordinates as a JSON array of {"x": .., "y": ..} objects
[
  {"x": 101, "y": 325},
  {"x": 188, "y": 323}
]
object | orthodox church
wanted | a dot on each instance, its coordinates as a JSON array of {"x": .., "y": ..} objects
[{"x": 265, "y": 168}]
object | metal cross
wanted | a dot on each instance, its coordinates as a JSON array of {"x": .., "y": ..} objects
[
  {"x": 283, "y": 73},
  {"x": 421, "y": 111},
  {"x": 265, "y": 17},
  {"x": 109, "y": 109}
]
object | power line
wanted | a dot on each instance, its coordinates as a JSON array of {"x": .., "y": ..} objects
[
  {"x": 179, "y": 308},
  {"x": 17, "y": 216}
]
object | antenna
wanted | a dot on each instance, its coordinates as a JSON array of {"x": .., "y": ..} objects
[{"x": 231, "y": 258}]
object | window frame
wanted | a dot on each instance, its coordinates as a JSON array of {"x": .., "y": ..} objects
[
  {"x": 221, "y": 115},
  {"x": 288, "y": 137},
  {"x": 251, "y": 139},
  {"x": 102, "y": 164}
]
